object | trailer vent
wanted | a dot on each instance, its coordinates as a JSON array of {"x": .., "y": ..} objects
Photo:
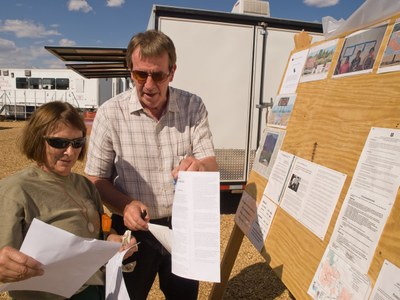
[{"x": 252, "y": 7}]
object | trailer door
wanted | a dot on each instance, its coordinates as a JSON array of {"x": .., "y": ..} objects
[{"x": 216, "y": 61}]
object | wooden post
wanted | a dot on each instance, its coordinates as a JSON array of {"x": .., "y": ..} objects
[{"x": 232, "y": 250}]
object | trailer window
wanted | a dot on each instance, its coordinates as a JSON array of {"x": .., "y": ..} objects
[
  {"x": 21, "y": 83},
  {"x": 62, "y": 83},
  {"x": 35, "y": 83},
  {"x": 48, "y": 83}
]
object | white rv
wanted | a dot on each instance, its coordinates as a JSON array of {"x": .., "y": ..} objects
[{"x": 22, "y": 90}]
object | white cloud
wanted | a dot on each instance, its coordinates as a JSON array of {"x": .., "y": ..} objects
[
  {"x": 77, "y": 5},
  {"x": 26, "y": 29},
  {"x": 66, "y": 43},
  {"x": 7, "y": 45},
  {"x": 115, "y": 3},
  {"x": 321, "y": 3},
  {"x": 12, "y": 56}
]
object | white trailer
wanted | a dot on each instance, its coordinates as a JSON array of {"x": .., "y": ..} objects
[
  {"x": 22, "y": 90},
  {"x": 234, "y": 62}
]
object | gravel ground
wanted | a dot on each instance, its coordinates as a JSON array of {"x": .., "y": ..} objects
[{"x": 251, "y": 277}]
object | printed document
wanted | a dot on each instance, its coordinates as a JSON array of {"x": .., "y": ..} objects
[
  {"x": 370, "y": 198},
  {"x": 293, "y": 72},
  {"x": 278, "y": 177},
  {"x": 336, "y": 279},
  {"x": 311, "y": 194},
  {"x": 387, "y": 286},
  {"x": 255, "y": 220},
  {"x": 196, "y": 226}
]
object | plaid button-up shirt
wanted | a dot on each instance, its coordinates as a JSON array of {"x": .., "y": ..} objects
[{"x": 138, "y": 153}]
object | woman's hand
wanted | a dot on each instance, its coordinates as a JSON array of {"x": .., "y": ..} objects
[
  {"x": 17, "y": 266},
  {"x": 132, "y": 244}
]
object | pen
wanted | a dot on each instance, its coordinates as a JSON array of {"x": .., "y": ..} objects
[{"x": 143, "y": 214}]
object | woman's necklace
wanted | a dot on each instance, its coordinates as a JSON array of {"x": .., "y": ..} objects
[{"x": 83, "y": 209}]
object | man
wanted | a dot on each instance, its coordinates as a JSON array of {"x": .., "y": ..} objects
[{"x": 140, "y": 140}]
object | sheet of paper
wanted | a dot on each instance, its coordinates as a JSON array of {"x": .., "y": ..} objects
[
  {"x": 66, "y": 259},
  {"x": 255, "y": 220},
  {"x": 369, "y": 198},
  {"x": 387, "y": 286},
  {"x": 311, "y": 194},
  {"x": 196, "y": 226},
  {"x": 336, "y": 279},
  {"x": 278, "y": 177},
  {"x": 293, "y": 72},
  {"x": 115, "y": 284},
  {"x": 163, "y": 234},
  {"x": 265, "y": 214},
  {"x": 245, "y": 217}
]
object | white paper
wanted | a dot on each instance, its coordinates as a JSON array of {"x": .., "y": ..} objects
[
  {"x": 69, "y": 261},
  {"x": 163, "y": 234},
  {"x": 278, "y": 177},
  {"x": 370, "y": 198},
  {"x": 255, "y": 220},
  {"x": 245, "y": 217},
  {"x": 311, "y": 194},
  {"x": 387, "y": 286},
  {"x": 293, "y": 72},
  {"x": 196, "y": 226},
  {"x": 115, "y": 284},
  {"x": 336, "y": 279},
  {"x": 265, "y": 214}
]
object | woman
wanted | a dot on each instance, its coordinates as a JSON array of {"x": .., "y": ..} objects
[{"x": 54, "y": 138}]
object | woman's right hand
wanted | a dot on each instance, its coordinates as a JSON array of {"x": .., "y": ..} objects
[{"x": 17, "y": 266}]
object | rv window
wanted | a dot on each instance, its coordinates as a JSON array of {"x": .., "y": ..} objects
[
  {"x": 35, "y": 83},
  {"x": 21, "y": 83},
  {"x": 48, "y": 83},
  {"x": 62, "y": 83}
]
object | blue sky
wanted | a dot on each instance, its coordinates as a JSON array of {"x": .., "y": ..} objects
[{"x": 26, "y": 26}]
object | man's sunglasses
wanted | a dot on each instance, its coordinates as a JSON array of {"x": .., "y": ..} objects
[
  {"x": 141, "y": 76},
  {"x": 60, "y": 143}
]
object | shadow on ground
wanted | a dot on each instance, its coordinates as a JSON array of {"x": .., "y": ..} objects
[
  {"x": 257, "y": 281},
  {"x": 229, "y": 202}
]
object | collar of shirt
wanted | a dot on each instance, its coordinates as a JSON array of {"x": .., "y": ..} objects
[{"x": 136, "y": 106}]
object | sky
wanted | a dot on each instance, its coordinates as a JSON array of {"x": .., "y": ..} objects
[{"x": 26, "y": 26}]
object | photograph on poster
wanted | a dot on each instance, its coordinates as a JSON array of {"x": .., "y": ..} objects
[
  {"x": 281, "y": 110},
  {"x": 294, "y": 182},
  {"x": 270, "y": 143},
  {"x": 318, "y": 61},
  {"x": 391, "y": 57},
  {"x": 359, "y": 51}
]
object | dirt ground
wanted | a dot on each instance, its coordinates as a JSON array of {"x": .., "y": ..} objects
[{"x": 251, "y": 277}]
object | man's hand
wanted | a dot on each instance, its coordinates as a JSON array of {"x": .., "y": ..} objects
[
  {"x": 133, "y": 216},
  {"x": 192, "y": 164}
]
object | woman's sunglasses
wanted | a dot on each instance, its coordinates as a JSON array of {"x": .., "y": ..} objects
[
  {"x": 141, "y": 76},
  {"x": 61, "y": 143}
]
